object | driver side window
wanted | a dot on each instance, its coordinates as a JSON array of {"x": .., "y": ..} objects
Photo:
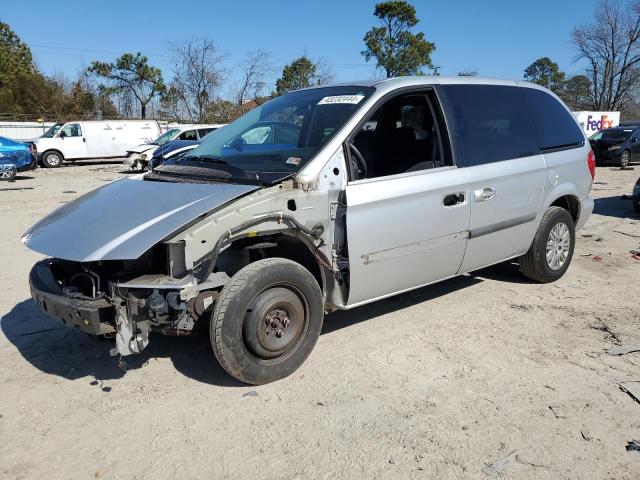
[
  {"x": 71, "y": 130},
  {"x": 258, "y": 136},
  {"x": 402, "y": 135}
]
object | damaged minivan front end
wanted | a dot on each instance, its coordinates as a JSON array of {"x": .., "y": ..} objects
[{"x": 210, "y": 219}]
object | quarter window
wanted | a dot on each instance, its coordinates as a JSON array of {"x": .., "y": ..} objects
[
  {"x": 555, "y": 125},
  {"x": 493, "y": 123}
]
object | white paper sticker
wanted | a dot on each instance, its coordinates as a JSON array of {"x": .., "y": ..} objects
[{"x": 337, "y": 99}]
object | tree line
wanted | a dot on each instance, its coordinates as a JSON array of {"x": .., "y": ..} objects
[{"x": 131, "y": 87}]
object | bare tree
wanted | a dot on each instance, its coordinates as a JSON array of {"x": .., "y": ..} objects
[
  {"x": 253, "y": 71},
  {"x": 611, "y": 49},
  {"x": 197, "y": 76}
]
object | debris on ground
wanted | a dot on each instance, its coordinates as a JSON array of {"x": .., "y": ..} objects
[
  {"x": 632, "y": 388},
  {"x": 558, "y": 411},
  {"x": 623, "y": 349},
  {"x": 633, "y": 446},
  {"x": 586, "y": 435},
  {"x": 251, "y": 393},
  {"x": 499, "y": 465},
  {"x": 597, "y": 258}
]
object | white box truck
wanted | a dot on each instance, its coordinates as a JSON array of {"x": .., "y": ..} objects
[{"x": 92, "y": 139}]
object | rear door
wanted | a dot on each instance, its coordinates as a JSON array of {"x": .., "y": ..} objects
[{"x": 506, "y": 172}]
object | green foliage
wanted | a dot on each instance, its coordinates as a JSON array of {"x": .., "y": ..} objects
[
  {"x": 396, "y": 50},
  {"x": 15, "y": 57},
  {"x": 301, "y": 73},
  {"x": 131, "y": 74},
  {"x": 546, "y": 73},
  {"x": 577, "y": 93}
]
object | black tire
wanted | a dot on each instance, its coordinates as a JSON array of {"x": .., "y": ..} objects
[
  {"x": 8, "y": 173},
  {"x": 636, "y": 203},
  {"x": 625, "y": 159},
  {"x": 52, "y": 159},
  {"x": 534, "y": 264},
  {"x": 273, "y": 291}
]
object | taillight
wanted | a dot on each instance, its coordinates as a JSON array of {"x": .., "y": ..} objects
[{"x": 591, "y": 160}]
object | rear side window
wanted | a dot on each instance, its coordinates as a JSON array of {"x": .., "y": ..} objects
[
  {"x": 204, "y": 131},
  {"x": 493, "y": 123},
  {"x": 556, "y": 127},
  {"x": 188, "y": 135}
]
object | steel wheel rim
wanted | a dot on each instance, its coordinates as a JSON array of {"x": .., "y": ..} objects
[
  {"x": 558, "y": 246},
  {"x": 263, "y": 348},
  {"x": 53, "y": 159}
]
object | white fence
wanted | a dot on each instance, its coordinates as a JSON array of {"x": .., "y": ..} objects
[{"x": 23, "y": 130}]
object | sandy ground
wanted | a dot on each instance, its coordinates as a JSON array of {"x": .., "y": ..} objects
[{"x": 438, "y": 383}]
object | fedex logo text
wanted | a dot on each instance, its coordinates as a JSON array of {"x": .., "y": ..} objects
[{"x": 593, "y": 124}]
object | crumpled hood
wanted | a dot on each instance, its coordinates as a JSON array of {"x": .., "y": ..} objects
[
  {"x": 123, "y": 219},
  {"x": 141, "y": 148}
]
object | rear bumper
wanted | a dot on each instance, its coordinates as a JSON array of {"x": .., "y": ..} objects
[
  {"x": 95, "y": 317},
  {"x": 586, "y": 209},
  {"x": 31, "y": 166}
]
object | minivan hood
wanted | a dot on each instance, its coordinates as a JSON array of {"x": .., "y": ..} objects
[{"x": 124, "y": 219}]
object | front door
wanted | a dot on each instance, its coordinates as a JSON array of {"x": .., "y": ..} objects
[
  {"x": 73, "y": 142},
  {"x": 406, "y": 231},
  {"x": 408, "y": 218}
]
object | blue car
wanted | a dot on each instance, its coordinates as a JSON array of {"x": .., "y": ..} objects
[
  {"x": 170, "y": 150},
  {"x": 15, "y": 157}
]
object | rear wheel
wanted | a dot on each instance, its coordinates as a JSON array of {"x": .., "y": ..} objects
[
  {"x": 52, "y": 159},
  {"x": 625, "y": 159},
  {"x": 552, "y": 249},
  {"x": 267, "y": 320}
]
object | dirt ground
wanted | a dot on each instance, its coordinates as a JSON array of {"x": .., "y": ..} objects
[{"x": 445, "y": 382}]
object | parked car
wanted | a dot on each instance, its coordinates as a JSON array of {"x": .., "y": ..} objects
[
  {"x": 636, "y": 196},
  {"x": 618, "y": 146},
  {"x": 170, "y": 150},
  {"x": 457, "y": 174},
  {"x": 91, "y": 139},
  {"x": 14, "y": 157},
  {"x": 138, "y": 157}
]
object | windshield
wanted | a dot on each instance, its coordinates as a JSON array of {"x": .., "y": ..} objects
[
  {"x": 166, "y": 136},
  {"x": 283, "y": 134},
  {"x": 617, "y": 134},
  {"x": 52, "y": 131}
]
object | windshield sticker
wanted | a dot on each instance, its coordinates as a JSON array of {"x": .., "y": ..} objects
[
  {"x": 293, "y": 160},
  {"x": 338, "y": 99}
]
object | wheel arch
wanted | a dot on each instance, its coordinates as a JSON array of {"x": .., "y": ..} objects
[
  {"x": 291, "y": 246},
  {"x": 50, "y": 150},
  {"x": 565, "y": 196}
]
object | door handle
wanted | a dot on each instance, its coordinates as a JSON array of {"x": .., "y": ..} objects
[
  {"x": 453, "y": 199},
  {"x": 84, "y": 140},
  {"x": 484, "y": 194}
]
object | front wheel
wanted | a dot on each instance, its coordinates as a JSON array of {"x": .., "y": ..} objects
[
  {"x": 625, "y": 159},
  {"x": 51, "y": 159},
  {"x": 551, "y": 252},
  {"x": 8, "y": 172},
  {"x": 267, "y": 320}
]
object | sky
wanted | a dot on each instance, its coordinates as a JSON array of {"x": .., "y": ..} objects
[{"x": 495, "y": 38}]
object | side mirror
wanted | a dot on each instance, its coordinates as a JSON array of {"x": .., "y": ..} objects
[{"x": 62, "y": 134}]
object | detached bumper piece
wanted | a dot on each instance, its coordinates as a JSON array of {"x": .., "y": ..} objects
[{"x": 96, "y": 317}]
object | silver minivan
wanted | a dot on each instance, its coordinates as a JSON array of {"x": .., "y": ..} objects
[{"x": 319, "y": 200}]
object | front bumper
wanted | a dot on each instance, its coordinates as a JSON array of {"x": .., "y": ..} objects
[
  {"x": 96, "y": 317},
  {"x": 604, "y": 157}
]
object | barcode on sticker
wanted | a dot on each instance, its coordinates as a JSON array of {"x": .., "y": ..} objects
[{"x": 335, "y": 99}]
